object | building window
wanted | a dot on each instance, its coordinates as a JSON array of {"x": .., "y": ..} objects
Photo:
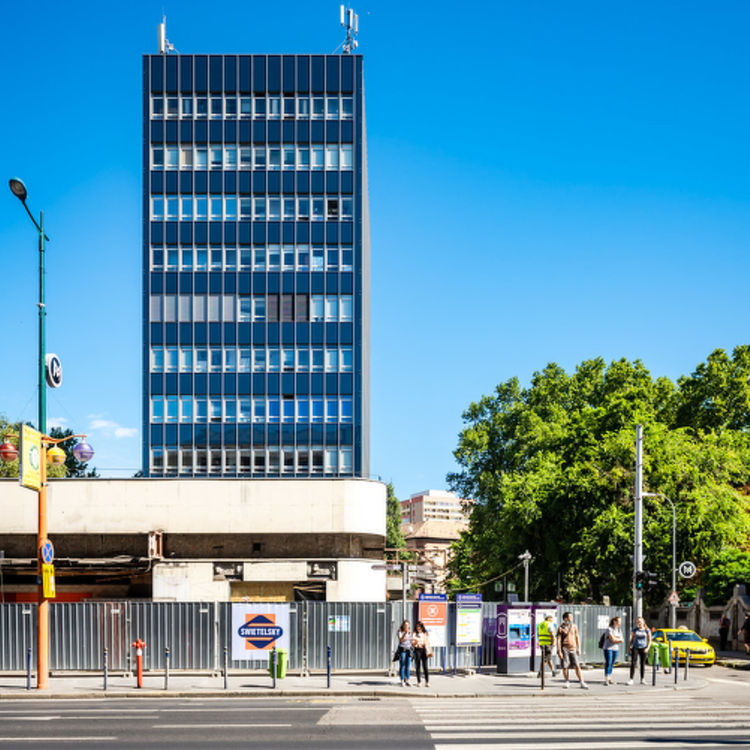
[
  {"x": 157, "y": 460},
  {"x": 259, "y": 360},
  {"x": 347, "y": 465},
  {"x": 332, "y": 156},
  {"x": 332, "y": 308},
  {"x": 274, "y": 410},
  {"x": 347, "y": 410},
  {"x": 316, "y": 409},
  {"x": 347, "y": 307},
  {"x": 259, "y": 410},
  {"x": 333, "y": 108},
  {"x": 346, "y": 359},
  {"x": 157, "y": 409},
  {"x": 259, "y": 308},
  {"x": 274, "y": 158},
  {"x": 332, "y": 360},
  {"x": 318, "y": 157},
  {"x": 332, "y": 410},
  {"x": 331, "y": 460},
  {"x": 347, "y": 157},
  {"x": 274, "y": 360},
  {"x": 186, "y": 409},
  {"x": 317, "y": 360}
]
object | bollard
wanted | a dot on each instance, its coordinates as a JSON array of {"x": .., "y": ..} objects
[
  {"x": 273, "y": 666},
  {"x": 479, "y": 660},
  {"x": 687, "y": 663},
  {"x": 675, "y": 664},
  {"x": 166, "y": 668},
  {"x": 226, "y": 685},
  {"x": 655, "y": 666},
  {"x": 329, "y": 667},
  {"x": 455, "y": 660},
  {"x": 542, "y": 670},
  {"x": 28, "y": 668},
  {"x": 139, "y": 645},
  {"x": 106, "y": 667}
]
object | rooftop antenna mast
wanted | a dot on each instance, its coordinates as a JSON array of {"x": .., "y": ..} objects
[
  {"x": 350, "y": 21},
  {"x": 164, "y": 46}
]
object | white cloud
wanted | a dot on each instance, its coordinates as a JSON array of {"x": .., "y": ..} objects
[
  {"x": 61, "y": 422},
  {"x": 110, "y": 428}
]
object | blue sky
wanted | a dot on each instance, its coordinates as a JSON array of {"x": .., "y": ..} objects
[{"x": 548, "y": 182}]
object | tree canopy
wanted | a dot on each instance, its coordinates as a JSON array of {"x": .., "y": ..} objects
[
  {"x": 72, "y": 466},
  {"x": 552, "y": 470}
]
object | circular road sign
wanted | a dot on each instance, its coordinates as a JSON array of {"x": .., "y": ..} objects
[
  {"x": 54, "y": 371},
  {"x": 48, "y": 552},
  {"x": 687, "y": 569}
]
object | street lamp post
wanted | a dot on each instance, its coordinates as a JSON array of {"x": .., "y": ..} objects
[
  {"x": 82, "y": 451},
  {"x": 526, "y": 559},
  {"x": 672, "y": 603}
]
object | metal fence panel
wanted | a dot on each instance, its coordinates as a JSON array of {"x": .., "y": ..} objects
[
  {"x": 198, "y": 633},
  {"x": 17, "y": 634}
]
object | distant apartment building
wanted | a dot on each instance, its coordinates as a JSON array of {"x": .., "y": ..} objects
[{"x": 433, "y": 505}]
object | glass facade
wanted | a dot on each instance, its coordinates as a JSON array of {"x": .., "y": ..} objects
[{"x": 255, "y": 266}]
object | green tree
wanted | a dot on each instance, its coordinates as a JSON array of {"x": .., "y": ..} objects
[
  {"x": 10, "y": 469},
  {"x": 551, "y": 468},
  {"x": 717, "y": 395},
  {"x": 394, "y": 536}
]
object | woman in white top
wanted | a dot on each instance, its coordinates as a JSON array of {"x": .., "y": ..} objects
[
  {"x": 612, "y": 641},
  {"x": 404, "y": 653}
]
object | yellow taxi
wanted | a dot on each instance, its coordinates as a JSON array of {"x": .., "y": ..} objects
[{"x": 685, "y": 640}]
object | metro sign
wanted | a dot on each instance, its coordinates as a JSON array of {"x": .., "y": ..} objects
[{"x": 260, "y": 632}]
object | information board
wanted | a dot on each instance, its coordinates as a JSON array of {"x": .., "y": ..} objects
[
  {"x": 468, "y": 619},
  {"x": 433, "y": 614}
]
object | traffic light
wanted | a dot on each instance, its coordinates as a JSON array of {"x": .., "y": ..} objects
[{"x": 645, "y": 579}]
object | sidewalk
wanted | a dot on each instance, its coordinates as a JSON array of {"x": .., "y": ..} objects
[
  {"x": 733, "y": 659},
  {"x": 361, "y": 684}
]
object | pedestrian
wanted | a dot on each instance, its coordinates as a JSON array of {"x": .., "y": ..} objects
[
  {"x": 422, "y": 652},
  {"x": 404, "y": 653},
  {"x": 611, "y": 645},
  {"x": 545, "y": 638},
  {"x": 744, "y": 631},
  {"x": 569, "y": 649},
  {"x": 640, "y": 642},
  {"x": 724, "y": 625}
]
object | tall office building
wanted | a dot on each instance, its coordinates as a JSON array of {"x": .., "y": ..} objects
[{"x": 255, "y": 266}]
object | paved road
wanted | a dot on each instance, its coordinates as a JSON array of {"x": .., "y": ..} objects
[
  {"x": 616, "y": 718},
  {"x": 220, "y": 724}
]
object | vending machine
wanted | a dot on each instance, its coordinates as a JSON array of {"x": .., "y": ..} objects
[{"x": 514, "y": 638}]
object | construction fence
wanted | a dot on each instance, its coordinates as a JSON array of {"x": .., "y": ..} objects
[{"x": 199, "y": 634}]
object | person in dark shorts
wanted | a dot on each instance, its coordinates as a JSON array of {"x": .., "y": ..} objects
[{"x": 569, "y": 649}]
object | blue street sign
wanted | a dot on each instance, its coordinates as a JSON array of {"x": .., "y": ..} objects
[{"x": 48, "y": 552}]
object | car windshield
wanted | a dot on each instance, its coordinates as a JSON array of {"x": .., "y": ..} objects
[{"x": 684, "y": 637}]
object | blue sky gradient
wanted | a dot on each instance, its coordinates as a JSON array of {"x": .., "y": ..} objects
[{"x": 548, "y": 182}]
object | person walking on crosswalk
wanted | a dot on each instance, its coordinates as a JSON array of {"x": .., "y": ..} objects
[{"x": 569, "y": 649}]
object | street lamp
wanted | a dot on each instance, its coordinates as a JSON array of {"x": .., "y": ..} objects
[
  {"x": 672, "y": 603},
  {"x": 525, "y": 559},
  {"x": 18, "y": 189}
]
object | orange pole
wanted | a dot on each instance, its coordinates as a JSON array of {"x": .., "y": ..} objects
[{"x": 42, "y": 646}]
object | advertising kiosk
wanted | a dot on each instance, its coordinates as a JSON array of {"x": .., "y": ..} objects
[{"x": 513, "y": 639}]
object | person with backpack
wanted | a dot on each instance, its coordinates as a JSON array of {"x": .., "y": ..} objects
[
  {"x": 640, "y": 642},
  {"x": 610, "y": 645}
]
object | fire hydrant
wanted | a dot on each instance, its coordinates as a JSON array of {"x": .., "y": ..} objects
[{"x": 139, "y": 645}]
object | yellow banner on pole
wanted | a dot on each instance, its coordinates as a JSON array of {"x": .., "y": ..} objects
[
  {"x": 30, "y": 474},
  {"x": 48, "y": 581}
]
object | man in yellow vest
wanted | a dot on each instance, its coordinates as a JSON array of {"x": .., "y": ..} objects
[{"x": 545, "y": 638}]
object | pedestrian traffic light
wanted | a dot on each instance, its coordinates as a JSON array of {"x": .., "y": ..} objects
[{"x": 639, "y": 580}]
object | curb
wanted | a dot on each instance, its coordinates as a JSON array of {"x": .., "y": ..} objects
[{"x": 296, "y": 693}]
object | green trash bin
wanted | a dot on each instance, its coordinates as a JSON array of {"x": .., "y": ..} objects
[
  {"x": 663, "y": 649},
  {"x": 282, "y": 659}
]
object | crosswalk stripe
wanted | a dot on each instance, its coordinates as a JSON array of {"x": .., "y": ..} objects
[
  {"x": 608, "y": 745},
  {"x": 445, "y": 726},
  {"x": 585, "y": 734}
]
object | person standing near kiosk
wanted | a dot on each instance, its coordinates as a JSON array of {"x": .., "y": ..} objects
[
  {"x": 569, "y": 649},
  {"x": 545, "y": 638}
]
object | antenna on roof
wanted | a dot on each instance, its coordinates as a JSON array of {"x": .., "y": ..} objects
[
  {"x": 350, "y": 21},
  {"x": 164, "y": 46}
]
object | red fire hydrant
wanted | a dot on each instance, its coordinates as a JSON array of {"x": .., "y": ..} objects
[{"x": 139, "y": 645}]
